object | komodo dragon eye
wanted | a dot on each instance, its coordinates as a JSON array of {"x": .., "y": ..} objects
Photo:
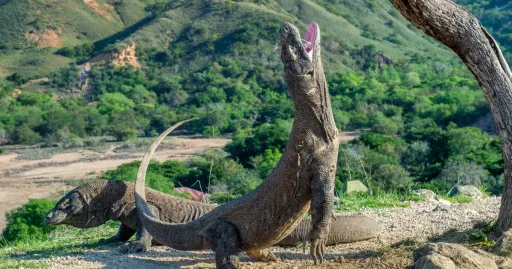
[{"x": 64, "y": 204}]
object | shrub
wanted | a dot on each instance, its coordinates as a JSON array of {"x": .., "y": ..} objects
[
  {"x": 156, "y": 176},
  {"x": 222, "y": 197},
  {"x": 27, "y": 222},
  {"x": 25, "y": 135},
  {"x": 392, "y": 177},
  {"x": 244, "y": 182},
  {"x": 3, "y": 150},
  {"x": 458, "y": 172}
]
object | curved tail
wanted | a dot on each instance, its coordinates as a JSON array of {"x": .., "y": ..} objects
[{"x": 178, "y": 236}]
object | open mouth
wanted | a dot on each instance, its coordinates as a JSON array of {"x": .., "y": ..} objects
[{"x": 311, "y": 38}]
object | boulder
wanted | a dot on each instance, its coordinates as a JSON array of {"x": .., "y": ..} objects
[
  {"x": 354, "y": 186},
  {"x": 450, "y": 255},
  {"x": 427, "y": 195},
  {"x": 468, "y": 190},
  {"x": 504, "y": 243}
]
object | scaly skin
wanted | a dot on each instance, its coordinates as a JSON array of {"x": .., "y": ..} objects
[
  {"x": 93, "y": 204},
  {"x": 119, "y": 205},
  {"x": 303, "y": 178}
]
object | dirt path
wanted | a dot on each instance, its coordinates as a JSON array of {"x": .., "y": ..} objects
[
  {"x": 419, "y": 221},
  {"x": 26, "y": 179}
]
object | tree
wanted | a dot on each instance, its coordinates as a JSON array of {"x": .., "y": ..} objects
[{"x": 462, "y": 32}]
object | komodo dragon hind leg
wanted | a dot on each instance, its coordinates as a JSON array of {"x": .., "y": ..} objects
[
  {"x": 227, "y": 243},
  {"x": 123, "y": 234}
]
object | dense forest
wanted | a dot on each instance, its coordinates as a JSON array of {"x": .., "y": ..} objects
[{"x": 423, "y": 118}]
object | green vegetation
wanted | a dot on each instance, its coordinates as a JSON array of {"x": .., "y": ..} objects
[
  {"x": 27, "y": 222},
  {"x": 357, "y": 201},
  {"x": 414, "y": 100},
  {"x": 63, "y": 239},
  {"x": 418, "y": 111}
]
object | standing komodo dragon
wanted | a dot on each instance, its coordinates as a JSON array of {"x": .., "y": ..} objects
[
  {"x": 303, "y": 177},
  {"x": 92, "y": 204}
]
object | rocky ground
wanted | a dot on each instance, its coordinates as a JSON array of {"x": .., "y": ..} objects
[{"x": 419, "y": 222}]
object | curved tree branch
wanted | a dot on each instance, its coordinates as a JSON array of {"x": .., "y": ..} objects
[{"x": 458, "y": 29}]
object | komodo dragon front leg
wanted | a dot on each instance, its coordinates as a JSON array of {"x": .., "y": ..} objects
[
  {"x": 124, "y": 233},
  {"x": 322, "y": 188}
]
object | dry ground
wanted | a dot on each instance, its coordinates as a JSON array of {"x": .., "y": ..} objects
[
  {"x": 420, "y": 222},
  {"x": 21, "y": 180}
]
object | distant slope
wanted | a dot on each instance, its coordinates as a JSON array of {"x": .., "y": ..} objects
[
  {"x": 207, "y": 33},
  {"x": 32, "y": 26},
  {"x": 33, "y": 29}
]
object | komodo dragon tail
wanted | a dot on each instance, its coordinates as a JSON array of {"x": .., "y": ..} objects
[
  {"x": 178, "y": 236},
  {"x": 344, "y": 229}
]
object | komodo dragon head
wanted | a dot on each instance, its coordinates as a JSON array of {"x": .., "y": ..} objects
[
  {"x": 88, "y": 205},
  {"x": 71, "y": 209},
  {"x": 305, "y": 75}
]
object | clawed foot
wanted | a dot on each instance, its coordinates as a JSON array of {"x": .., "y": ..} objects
[
  {"x": 271, "y": 257},
  {"x": 317, "y": 250},
  {"x": 134, "y": 247}
]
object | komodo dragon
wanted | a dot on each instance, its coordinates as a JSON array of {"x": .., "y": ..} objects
[
  {"x": 92, "y": 204},
  {"x": 302, "y": 179}
]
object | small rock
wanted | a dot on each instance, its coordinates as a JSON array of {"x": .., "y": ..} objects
[
  {"x": 427, "y": 195},
  {"x": 468, "y": 190},
  {"x": 471, "y": 212},
  {"x": 341, "y": 259},
  {"x": 441, "y": 208},
  {"x": 504, "y": 243},
  {"x": 443, "y": 202},
  {"x": 449, "y": 255},
  {"x": 434, "y": 261}
]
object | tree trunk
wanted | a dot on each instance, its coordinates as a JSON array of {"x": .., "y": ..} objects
[{"x": 458, "y": 29}]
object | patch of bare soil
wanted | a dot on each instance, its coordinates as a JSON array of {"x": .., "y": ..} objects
[
  {"x": 100, "y": 9},
  {"x": 125, "y": 57},
  {"x": 419, "y": 222},
  {"x": 21, "y": 180},
  {"x": 46, "y": 38}
]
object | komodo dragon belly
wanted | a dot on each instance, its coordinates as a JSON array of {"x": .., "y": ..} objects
[{"x": 264, "y": 221}]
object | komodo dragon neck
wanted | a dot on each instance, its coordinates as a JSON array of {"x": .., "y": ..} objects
[{"x": 304, "y": 174}]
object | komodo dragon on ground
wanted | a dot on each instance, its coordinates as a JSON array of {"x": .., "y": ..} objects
[
  {"x": 302, "y": 179},
  {"x": 92, "y": 204}
]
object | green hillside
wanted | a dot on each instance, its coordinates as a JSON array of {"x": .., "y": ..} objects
[
  {"x": 220, "y": 61},
  {"x": 195, "y": 25},
  {"x": 35, "y": 28}
]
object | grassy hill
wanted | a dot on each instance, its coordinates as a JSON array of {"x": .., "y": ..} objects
[
  {"x": 33, "y": 30},
  {"x": 220, "y": 61}
]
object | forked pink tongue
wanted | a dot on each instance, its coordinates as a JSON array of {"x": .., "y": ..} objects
[{"x": 310, "y": 38}]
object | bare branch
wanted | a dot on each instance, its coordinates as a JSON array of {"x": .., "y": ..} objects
[{"x": 458, "y": 29}]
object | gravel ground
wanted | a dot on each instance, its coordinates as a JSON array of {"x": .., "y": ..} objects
[{"x": 419, "y": 221}]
